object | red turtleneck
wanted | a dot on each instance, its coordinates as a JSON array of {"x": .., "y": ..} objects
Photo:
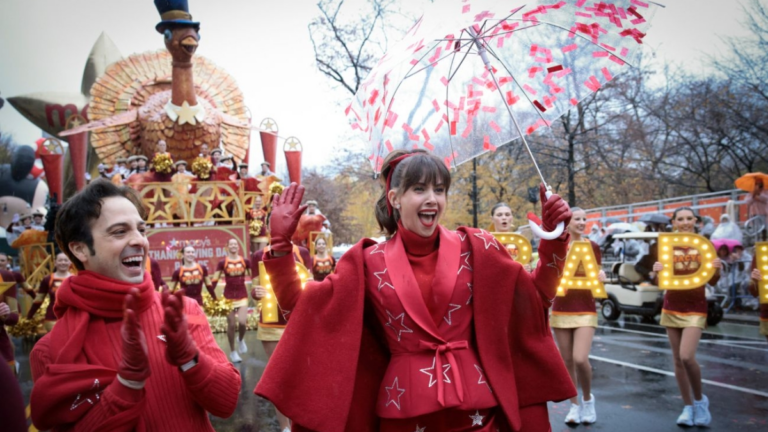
[{"x": 422, "y": 254}]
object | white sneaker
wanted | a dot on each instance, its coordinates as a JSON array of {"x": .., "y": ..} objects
[
  {"x": 588, "y": 414},
  {"x": 242, "y": 348},
  {"x": 574, "y": 415},
  {"x": 686, "y": 417},
  {"x": 701, "y": 414},
  {"x": 235, "y": 357},
  {"x": 287, "y": 430}
]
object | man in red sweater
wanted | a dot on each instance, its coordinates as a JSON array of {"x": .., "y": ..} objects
[{"x": 122, "y": 356}]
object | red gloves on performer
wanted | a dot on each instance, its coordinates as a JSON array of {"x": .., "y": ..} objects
[
  {"x": 553, "y": 211},
  {"x": 286, "y": 213},
  {"x": 180, "y": 348},
  {"x": 134, "y": 366}
]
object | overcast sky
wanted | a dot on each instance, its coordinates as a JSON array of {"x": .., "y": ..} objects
[{"x": 265, "y": 45}]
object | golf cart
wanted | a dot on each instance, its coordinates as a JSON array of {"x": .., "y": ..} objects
[{"x": 630, "y": 293}]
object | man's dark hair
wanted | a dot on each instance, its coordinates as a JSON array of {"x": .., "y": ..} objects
[{"x": 74, "y": 218}]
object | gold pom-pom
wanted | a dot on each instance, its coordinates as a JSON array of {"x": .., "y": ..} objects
[
  {"x": 201, "y": 167},
  {"x": 254, "y": 229},
  {"x": 220, "y": 307},
  {"x": 276, "y": 188},
  {"x": 162, "y": 163},
  {"x": 28, "y": 327}
]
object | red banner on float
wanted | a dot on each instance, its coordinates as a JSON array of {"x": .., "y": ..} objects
[
  {"x": 269, "y": 148},
  {"x": 78, "y": 152},
  {"x": 210, "y": 243},
  {"x": 52, "y": 164}
]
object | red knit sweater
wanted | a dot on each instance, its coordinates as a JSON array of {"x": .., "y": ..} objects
[
  {"x": 422, "y": 255},
  {"x": 175, "y": 401}
]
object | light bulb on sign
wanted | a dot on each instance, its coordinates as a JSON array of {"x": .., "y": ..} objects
[
  {"x": 270, "y": 308},
  {"x": 517, "y": 246},
  {"x": 687, "y": 261},
  {"x": 761, "y": 249},
  {"x": 579, "y": 257}
]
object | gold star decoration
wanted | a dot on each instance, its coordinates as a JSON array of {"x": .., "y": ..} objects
[
  {"x": 293, "y": 144},
  {"x": 269, "y": 124},
  {"x": 160, "y": 204},
  {"x": 186, "y": 113}
]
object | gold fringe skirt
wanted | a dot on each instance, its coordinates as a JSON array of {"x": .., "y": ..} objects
[
  {"x": 269, "y": 334},
  {"x": 682, "y": 320},
  {"x": 566, "y": 321}
]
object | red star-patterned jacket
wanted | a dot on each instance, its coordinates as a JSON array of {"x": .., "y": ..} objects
[{"x": 340, "y": 365}]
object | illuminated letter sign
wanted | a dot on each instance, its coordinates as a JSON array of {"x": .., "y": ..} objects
[
  {"x": 687, "y": 260},
  {"x": 517, "y": 246},
  {"x": 580, "y": 271}
]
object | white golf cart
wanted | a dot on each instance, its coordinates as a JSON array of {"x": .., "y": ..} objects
[{"x": 630, "y": 293}]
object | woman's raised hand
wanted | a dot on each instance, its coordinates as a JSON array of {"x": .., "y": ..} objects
[{"x": 286, "y": 213}]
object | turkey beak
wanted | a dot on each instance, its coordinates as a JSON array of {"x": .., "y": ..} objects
[{"x": 189, "y": 44}]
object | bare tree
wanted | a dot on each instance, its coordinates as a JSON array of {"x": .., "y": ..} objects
[{"x": 346, "y": 47}]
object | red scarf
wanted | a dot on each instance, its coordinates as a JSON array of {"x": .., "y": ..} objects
[{"x": 81, "y": 368}]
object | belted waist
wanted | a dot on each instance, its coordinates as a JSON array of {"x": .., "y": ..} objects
[{"x": 446, "y": 349}]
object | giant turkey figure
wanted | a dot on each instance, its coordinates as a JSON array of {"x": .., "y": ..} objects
[{"x": 167, "y": 95}]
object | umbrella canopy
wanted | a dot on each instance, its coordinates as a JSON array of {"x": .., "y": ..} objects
[
  {"x": 747, "y": 181},
  {"x": 474, "y": 75},
  {"x": 612, "y": 220},
  {"x": 655, "y": 218},
  {"x": 621, "y": 227}
]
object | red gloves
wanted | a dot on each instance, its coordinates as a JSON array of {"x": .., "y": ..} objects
[
  {"x": 285, "y": 217},
  {"x": 553, "y": 210},
  {"x": 134, "y": 365},
  {"x": 180, "y": 348}
]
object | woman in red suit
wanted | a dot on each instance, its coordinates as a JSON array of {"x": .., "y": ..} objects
[
  {"x": 432, "y": 330},
  {"x": 684, "y": 314},
  {"x": 574, "y": 320},
  {"x": 191, "y": 276}
]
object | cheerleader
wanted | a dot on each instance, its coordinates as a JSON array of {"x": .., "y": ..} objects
[
  {"x": 753, "y": 288},
  {"x": 432, "y": 330},
  {"x": 48, "y": 287},
  {"x": 502, "y": 221},
  {"x": 684, "y": 314},
  {"x": 234, "y": 268},
  {"x": 323, "y": 262},
  {"x": 574, "y": 320},
  {"x": 191, "y": 276}
]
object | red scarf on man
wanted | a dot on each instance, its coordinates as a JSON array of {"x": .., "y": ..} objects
[{"x": 80, "y": 367}]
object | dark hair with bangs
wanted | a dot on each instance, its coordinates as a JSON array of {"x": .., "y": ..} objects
[
  {"x": 74, "y": 218},
  {"x": 422, "y": 167}
]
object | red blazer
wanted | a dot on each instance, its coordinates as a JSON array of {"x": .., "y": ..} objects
[{"x": 327, "y": 369}]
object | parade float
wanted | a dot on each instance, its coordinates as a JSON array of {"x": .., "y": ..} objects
[{"x": 129, "y": 105}]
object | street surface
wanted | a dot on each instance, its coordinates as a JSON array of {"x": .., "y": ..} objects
[{"x": 633, "y": 384}]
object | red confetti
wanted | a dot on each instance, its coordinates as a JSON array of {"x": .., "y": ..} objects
[
  {"x": 569, "y": 48},
  {"x": 539, "y": 106},
  {"x": 494, "y": 126},
  {"x": 389, "y": 146},
  {"x": 607, "y": 74},
  {"x": 487, "y": 144}
]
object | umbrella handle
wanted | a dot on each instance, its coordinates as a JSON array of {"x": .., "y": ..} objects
[{"x": 539, "y": 232}]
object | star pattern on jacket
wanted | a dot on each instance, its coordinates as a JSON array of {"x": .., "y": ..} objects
[
  {"x": 96, "y": 386},
  {"x": 376, "y": 248},
  {"x": 488, "y": 239},
  {"x": 420, "y": 429},
  {"x": 465, "y": 264},
  {"x": 477, "y": 419},
  {"x": 454, "y": 308},
  {"x": 482, "y": 380},
  {"x": 162, "y": 338},
  {"x": 402, "y": 328},
  {"x": 285, "y": 314},
  {"x": 469, "y": 286},
  {"x": 432, "y": 380},
  {"x": 554, "y": 265},
  {"x": 382, "y": 284},
  {"x": 462, "y": 237},
  {"x": 394, "y": 398}
]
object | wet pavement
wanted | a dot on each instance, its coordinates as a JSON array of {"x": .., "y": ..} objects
[{"x": 633, "y": 384}]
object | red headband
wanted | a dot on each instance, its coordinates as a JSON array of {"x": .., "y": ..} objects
[{"x": 392, "y": 165}]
